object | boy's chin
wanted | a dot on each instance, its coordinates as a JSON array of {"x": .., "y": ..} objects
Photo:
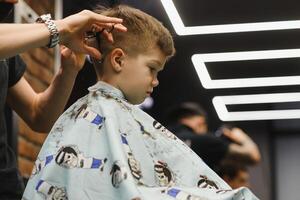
[{"x": 136, "y": 101}]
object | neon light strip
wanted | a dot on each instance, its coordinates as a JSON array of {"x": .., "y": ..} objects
[
  {"x": 181, "y": 29},
  {"x": 201, "y": 69},
  {"x": 220, "y": 103}
]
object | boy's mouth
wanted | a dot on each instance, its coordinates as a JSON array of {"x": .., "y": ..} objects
[{"x": 149, "y": 92}]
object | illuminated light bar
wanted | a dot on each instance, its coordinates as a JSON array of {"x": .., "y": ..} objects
[
  {"x": 181, "y": 29},
  {"x": 199, "y": 61},
  {"x": 220, "y": 103}
]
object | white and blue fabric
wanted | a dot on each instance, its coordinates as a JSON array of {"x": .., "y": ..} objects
[{"x": 105, "y": 148}]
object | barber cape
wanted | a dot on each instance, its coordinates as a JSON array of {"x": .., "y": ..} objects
[{"x": 104, "y": 148}]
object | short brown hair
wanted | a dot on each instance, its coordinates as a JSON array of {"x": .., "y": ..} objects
[{"x": 143, "y": 32}]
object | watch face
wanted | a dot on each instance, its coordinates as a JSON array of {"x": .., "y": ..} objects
[{"x": 5, "y": 10}]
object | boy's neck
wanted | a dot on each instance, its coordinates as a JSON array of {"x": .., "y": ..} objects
[
  {"x": 108, "y": 76},
  {"x": 108, "y": 81}
]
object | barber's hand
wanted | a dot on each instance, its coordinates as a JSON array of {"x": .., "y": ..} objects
[
  {"x": 70, "y": 60},
  {"x": 72, "y": 30}
]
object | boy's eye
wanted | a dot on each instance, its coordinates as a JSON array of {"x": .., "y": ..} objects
[{"x": 152, "y": 68}]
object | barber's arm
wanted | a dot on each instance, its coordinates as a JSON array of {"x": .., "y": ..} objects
[
  {"x": 243, "y": 146},
  {"x": 41, "y": 110},
  {"x": 18, "y": 38}
]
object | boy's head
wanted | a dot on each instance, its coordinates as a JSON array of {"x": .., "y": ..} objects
[{"x": 132, "y": 61}]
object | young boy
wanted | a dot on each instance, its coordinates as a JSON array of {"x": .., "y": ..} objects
[{"x": 105, "y": 147}]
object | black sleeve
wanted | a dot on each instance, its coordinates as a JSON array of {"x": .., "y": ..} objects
[
  {"x": 210, "y": 148},
  {"x": 16, "y": 69}
]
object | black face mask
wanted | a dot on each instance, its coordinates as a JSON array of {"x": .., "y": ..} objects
[{"x": 5, "y": 10}]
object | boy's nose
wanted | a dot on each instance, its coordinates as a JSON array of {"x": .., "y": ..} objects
[{"x": 155, "y": 82}]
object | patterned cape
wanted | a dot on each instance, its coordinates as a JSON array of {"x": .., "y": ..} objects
[{"x": 104, "y": 148}]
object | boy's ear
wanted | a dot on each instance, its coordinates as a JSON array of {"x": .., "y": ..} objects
[{"x": 117, "y": 59}]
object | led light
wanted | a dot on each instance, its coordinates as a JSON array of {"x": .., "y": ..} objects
[
  {"x": 199, "y": 61},
  {"x": 181, "y": 29},
  {"x": 220, "y": 103}
]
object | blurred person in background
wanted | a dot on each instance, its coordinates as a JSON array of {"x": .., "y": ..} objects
[
  {"x": 188, "y": 122},
  {"x": 234, "y": 173}
]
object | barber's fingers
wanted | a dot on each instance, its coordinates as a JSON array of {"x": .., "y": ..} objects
[
  {"x": 97, "y": 28},
  {"x": 109, "y": 26},
  {"x": 106, "y": 30},
  {"x": 71, "y": 59},
  {"x": 105, "y": 21},
  {"x": 91, "y": 47},
  {"x": 108, "y": 35},
  {"x": 92, "y": 51},
  {"x": 65, "y": 52}
]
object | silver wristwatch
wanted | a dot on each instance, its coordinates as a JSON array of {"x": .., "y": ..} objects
[{"x": 54, "y": 34}]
